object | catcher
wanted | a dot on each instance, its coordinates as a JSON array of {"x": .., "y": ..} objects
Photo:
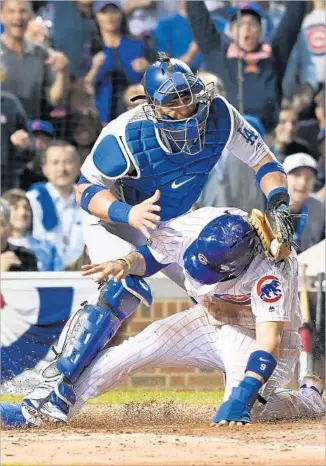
[{"x": 245, "y": 325}]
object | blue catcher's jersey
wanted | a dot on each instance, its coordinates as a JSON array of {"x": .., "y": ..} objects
[{"x": 130, "y": 155}]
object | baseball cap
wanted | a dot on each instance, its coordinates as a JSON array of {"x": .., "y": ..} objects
[
  {"x": 250, "y": 7},
  {"x": 41, "y": 125},
  {"x": 99, "y": 5},
  {"x": 299, "y": 160}
]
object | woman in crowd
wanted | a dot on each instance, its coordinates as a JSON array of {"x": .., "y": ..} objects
[
  {"x": 21, "y": 228},
  {"x": 121, "y": 62}
]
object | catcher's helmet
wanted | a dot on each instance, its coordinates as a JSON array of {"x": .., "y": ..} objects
[
  {"x": 170, "y": 79},
  {"x": 223, "y": 250}
]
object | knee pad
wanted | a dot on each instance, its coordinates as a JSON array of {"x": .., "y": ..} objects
[
  {"x": 123, "y": 297},
  {"x": 94, "y": 326}
]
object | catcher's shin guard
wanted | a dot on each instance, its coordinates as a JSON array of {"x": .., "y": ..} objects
[
  {"x": 98, "y": 324},
  {"x": 90, "y": 329}
]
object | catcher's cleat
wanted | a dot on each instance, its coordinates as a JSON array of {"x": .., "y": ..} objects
[
  {"x": 14, "y": 416},
  {"x": 314, "y": 382}
]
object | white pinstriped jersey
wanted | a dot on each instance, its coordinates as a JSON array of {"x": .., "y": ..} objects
[{"x": 264, "y": 292}]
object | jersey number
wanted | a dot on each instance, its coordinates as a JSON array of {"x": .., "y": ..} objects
[{"x": 249, "y": 135}]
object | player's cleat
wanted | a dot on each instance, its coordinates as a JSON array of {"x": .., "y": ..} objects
[
  {"x": 14, "y": 416},
  {"x": 314, "y": 382}
]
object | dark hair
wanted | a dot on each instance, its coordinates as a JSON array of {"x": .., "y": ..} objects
[
  {"x": 13, "y": 196},
  {"x": 96, "y": 37}
]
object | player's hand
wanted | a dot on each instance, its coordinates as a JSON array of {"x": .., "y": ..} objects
[
  {"x": 116, "y": 269},
  {"x": 142, "y": 216},
  {"x": 8, "y": 259},
  {"x": 280, "y": 220}
]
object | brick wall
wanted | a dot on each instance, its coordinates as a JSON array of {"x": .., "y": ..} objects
[{"x": 165, "y": 378}]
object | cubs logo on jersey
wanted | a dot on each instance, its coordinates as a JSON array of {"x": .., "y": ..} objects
[{"x": 269, "y": 289}]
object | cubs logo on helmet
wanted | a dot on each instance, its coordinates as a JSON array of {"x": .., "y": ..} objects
[{"x": 269, "y": 289}]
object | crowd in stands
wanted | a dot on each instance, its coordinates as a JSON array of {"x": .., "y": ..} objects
[{"x": 69, "y": 67}]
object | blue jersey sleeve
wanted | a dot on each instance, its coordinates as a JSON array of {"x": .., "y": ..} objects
[{"x": 152, "y": 265}]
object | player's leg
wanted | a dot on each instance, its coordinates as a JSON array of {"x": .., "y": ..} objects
[
  {"x": 187, "y": 338},
  {"x": 285, "y": 403},
  {"x": 89, "y": 330}
]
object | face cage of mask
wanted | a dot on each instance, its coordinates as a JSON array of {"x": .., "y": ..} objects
[{"x": 202, "y": 100}]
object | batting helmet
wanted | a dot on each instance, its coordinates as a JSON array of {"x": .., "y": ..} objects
[
  {"x": 222, "y": 251},
  {"x": 169, "y": 79}
]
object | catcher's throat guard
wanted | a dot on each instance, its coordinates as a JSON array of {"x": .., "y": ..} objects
[{"x": 273, "y": 249}]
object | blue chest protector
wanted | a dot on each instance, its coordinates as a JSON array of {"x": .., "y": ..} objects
[{"x": 178, "y": 176}]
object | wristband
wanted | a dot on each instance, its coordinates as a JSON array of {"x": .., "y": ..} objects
[
  {"x": 262, "y": 363},
  {"x": 278, "y": 196},
  {"x": 269, "y": 167},
  {"x": 119, "y": 212},
  {"x": 125, "y": 261},
  {"x": 88, "y": 195}
]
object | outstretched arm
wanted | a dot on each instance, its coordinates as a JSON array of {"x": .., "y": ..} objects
[
  {"x": 140, "y": 262},
  {"x": 246, "y": 144},
  {"x": 260, "y": 366},
  {"x": 205, "y": 33}
]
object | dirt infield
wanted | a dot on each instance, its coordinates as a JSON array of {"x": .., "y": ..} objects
[{"x": 168, "y": 434}]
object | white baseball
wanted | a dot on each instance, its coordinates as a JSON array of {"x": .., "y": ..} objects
[{"x": 275, "y": 247}]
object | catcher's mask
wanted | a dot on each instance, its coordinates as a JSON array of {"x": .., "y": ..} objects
[
  {"x": 168, "y": 80},
  {"x": 223, "y": 250}
]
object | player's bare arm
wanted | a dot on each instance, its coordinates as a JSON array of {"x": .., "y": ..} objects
[
  {"x": 132, "y": 264},
  {"x": 141, "y": 216}
]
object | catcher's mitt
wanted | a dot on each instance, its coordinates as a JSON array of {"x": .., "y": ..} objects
[{"x": 273, "y": 249}]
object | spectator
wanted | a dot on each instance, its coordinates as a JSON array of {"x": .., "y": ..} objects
[
  {"x": 73, "y": 28},
  {"x": 132, "y": 96},
  {"x": 309, "y": 226},
  {"x": 300, "y": 73},
  {"x": 314, "y": 27},
  {"x": 174, "y": 36},
  {"x": 43, "y": 133},
  {"x": 32, "y": 71},
  {"x": 21, "y": 229},
  {"x": 15, "y": 140},
  {"x": 122, "y": 61},
  {"x": 56, "y": 216},
  {"x": 13, "y": 258},
  {"x": 284, "y": 132},
  {"x": 262, "y": 66}
]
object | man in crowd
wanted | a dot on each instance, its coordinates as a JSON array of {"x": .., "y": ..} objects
[
  {"x": 42, "y": 134},
  {"x": 56, "y": 215},
  {"x": 262, "y": 65},
  {"x": 13, "y": 258},
  {"x": 33, "y": 73},
  {"x": 309, "y": 226}
]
